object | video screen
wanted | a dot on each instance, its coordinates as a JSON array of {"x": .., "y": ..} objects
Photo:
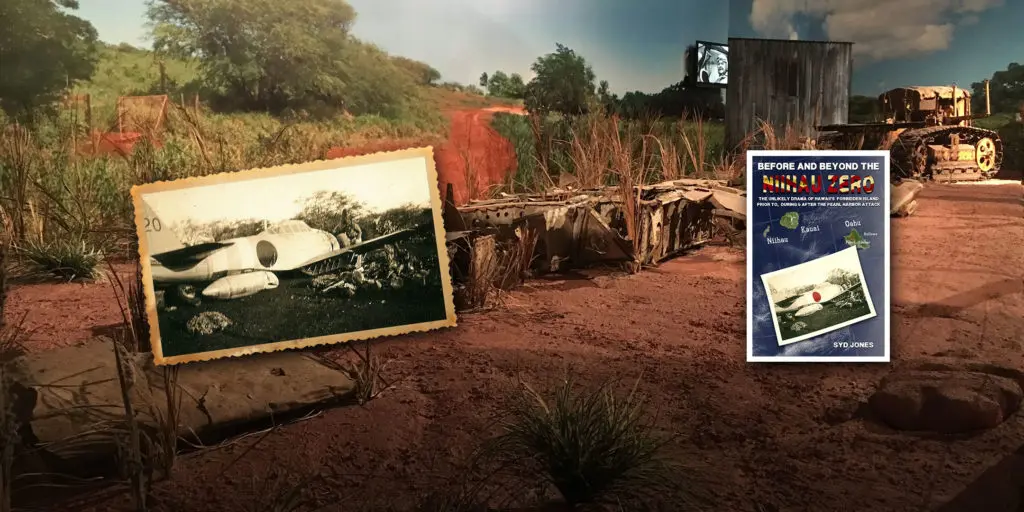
[{"x": 712, "y": 64}]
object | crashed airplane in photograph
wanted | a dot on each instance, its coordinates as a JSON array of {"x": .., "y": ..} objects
[
  {"x": 815, "y": 300},
  {"x": 244, "y": 266}
]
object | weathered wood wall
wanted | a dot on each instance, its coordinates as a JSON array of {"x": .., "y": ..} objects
[{"x": 797, "y": 83}]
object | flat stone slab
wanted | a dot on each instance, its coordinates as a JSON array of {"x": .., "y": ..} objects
[{"x": 71, "y": 397}]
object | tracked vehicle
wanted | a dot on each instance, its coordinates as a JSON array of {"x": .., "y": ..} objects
[{"x": 929, "y": 134}]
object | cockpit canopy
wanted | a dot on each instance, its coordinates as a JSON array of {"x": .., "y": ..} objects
[{"x": 287, "y": 227}]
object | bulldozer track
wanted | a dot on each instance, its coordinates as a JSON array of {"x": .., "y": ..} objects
[{"x": 910, "y": 158}]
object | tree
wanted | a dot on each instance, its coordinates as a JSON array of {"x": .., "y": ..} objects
[
  {"x": 844, "y": 278},
  {"x": 43, "y": 50},
  {"x": 564, "y": 83},
  {"x": 333, "y": 212},
  {"x": 674, "y": 101},
  {"x": 1006, "y": 90},
  {"x": 863, "y": 109},
  {"x": 421, "y": 72},
  {"x": 503, "y": 85},
  {"x": 272, "y": 55}
]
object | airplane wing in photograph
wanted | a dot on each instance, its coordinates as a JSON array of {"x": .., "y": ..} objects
[
  {"x": 187, "y": 257},
  {"x": 325, "y": 263}
]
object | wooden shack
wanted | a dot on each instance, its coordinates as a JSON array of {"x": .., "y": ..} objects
[{"x": 800, "y": 84}]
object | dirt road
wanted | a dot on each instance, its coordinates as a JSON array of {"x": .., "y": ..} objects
[
  {"x": 750, "y": 436},
  {"x": 475, "y": 159}
]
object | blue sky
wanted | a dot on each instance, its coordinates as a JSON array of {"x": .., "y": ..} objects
[
  {"x": 634, "y": 44},
  {"x": 898, "y": 42}
]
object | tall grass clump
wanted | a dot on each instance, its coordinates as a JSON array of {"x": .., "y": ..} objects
[
  {"x": 550, "y": 146},
  {"x": 593, "y": 447},
  {"x": 66, "y": 187}
]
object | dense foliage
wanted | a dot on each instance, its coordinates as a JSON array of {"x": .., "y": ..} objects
[
  {"x": 47, "y": 49},
  {"x": 271, "y": 56}
]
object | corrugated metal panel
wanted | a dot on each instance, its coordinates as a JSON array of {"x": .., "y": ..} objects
[{"x": 799, "y": 84}]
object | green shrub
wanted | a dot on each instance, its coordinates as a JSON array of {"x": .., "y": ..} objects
[
  {"x": 66, "y": 260},
  {"x": 1012, "y": 135}
]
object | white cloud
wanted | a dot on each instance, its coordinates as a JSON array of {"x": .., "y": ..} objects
[
  {"x": 464, "y": 38},
  {"x": 881, "y": 29},
  {"x": 460, "y": 38}
]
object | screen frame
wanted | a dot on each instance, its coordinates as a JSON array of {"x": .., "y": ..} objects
[{"x": 695, "y": 64}]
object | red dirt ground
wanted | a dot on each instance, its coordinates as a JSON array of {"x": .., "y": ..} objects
[
  {"x": 114, "y": 143},
  {"x": 750, "y": 437},
  {"x": 474, "y": 158}
]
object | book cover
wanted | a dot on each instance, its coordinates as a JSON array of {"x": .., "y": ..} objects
[{"x": 818, "y": 256}]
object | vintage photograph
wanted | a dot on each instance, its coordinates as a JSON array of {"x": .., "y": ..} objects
[
  {"x": 293, "y": 256},
  {"x": 712, "y": 63},
  {"x": 818, "y": 296}
]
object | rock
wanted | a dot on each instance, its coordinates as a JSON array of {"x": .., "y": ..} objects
[
  {"x": 68, "y": 398},
  {"x": 903, "y": 197},
  {"x": 208, "y": 322},
  {"x": 841, "y": 412},
  {"x": 945, "y": 401}
]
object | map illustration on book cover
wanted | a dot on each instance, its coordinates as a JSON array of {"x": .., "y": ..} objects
[{"x": 818, "y": 256}]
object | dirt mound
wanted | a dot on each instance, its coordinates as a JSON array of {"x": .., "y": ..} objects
[
  {"x": 476, "y": 159},
  {"x": 114, "y": 143}
]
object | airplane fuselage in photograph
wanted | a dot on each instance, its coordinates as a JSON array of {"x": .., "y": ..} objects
[
  {"x": 239, "y": 267},
  {"x": 814, "y": 300},
  {"x": 244, "y": 266}
]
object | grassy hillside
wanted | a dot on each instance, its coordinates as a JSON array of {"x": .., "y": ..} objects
[{"x": 124, "y": 70}]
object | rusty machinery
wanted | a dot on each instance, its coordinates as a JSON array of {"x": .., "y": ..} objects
[{"x": 929, "y": 133}]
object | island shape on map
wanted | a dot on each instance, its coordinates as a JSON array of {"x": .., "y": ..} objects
[
  {"x": 790, "y": 220},
  {"x": 854, "y": 239}
]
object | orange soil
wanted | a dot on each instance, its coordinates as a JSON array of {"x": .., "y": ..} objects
[{"x": 474, "y": 160}]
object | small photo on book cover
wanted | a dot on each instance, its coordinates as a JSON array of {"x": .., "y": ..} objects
[{"x": 819, "y": 296}]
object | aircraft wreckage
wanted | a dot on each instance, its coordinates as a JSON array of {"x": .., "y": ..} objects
[
  {"x": 565, "y": 228},
  {"x": 579, "y": 228}
]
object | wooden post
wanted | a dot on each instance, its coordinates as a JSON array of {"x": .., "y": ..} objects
[{"x": 163, "y": 77}]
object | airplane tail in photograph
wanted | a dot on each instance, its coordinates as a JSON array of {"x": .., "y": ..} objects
[{"x": 160, "y": 237}]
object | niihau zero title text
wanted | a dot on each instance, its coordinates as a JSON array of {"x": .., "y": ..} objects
[{"x": 809, "y": 177}]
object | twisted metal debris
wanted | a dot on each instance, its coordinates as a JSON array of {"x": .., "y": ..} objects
[{"x": 583, "y": 227}]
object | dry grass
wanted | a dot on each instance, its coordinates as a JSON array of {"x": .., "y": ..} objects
[
  {"x": 146, "y": 452},
  {"x": 367, "y": 374},
  {"x": 593, "y": 447},
  {"x": 57, "y": 187},
  {"x": 485, "y": 267},
  {"x": 516, "y": 258}
]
